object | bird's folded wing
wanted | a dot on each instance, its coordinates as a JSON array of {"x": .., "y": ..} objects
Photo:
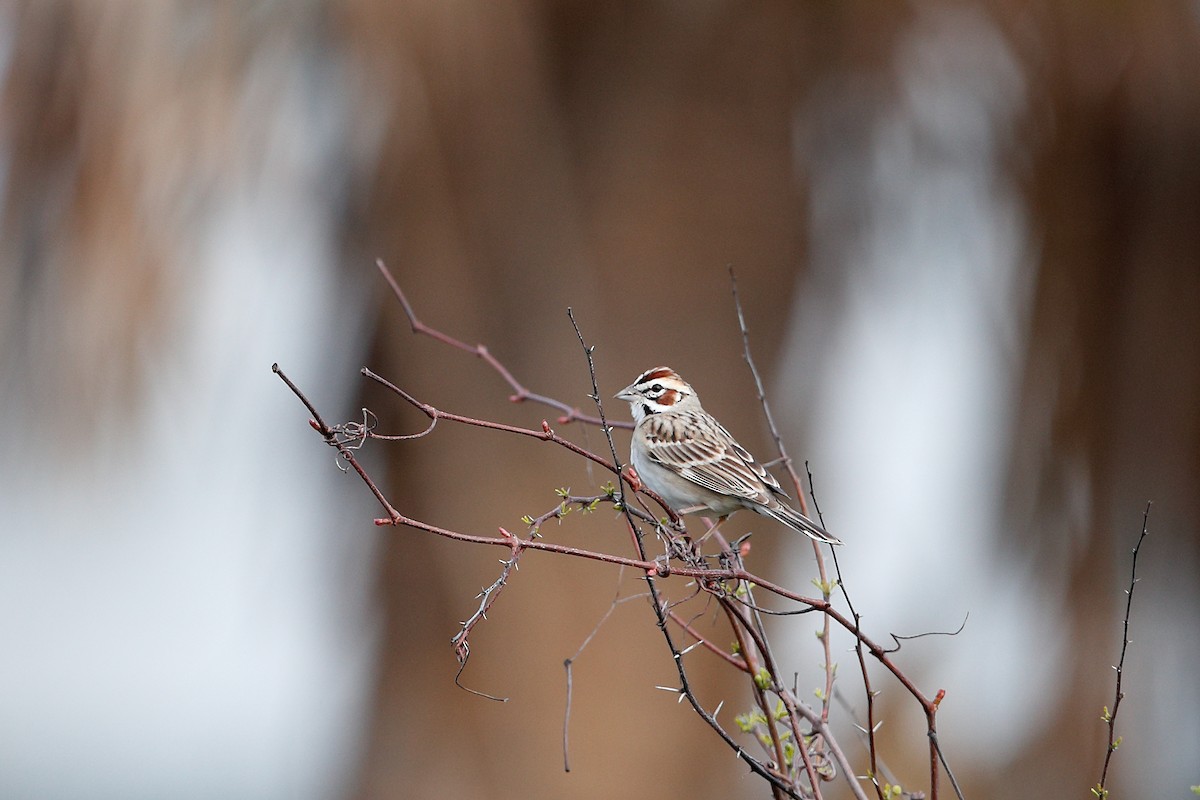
[{"x": 712, "y": 460}]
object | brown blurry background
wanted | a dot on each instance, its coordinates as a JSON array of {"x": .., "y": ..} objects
[{"x": 968, "y": 242}]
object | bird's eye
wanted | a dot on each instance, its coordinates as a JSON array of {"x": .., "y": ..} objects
[{"x": 656, "y": 388}]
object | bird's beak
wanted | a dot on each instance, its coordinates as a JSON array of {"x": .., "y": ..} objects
[{"x": 626, "y": 394}]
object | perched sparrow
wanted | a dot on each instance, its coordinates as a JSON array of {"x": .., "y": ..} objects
[{"x": 688, "y": 458}]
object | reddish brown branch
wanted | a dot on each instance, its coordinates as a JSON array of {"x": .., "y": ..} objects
[
  {"x": 818, "y": 553},
  {"x": 546, "y": 434},
  {"x": 333, "y": 440},
  {"x": 734, "y": 661},
  {"x": 786, "y": 460},
  {"x": 520, "y": 392}
]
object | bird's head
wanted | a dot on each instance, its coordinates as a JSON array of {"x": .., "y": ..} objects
[{"x": 658, "y": 390}]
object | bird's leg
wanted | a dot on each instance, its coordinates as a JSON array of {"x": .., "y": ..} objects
[{"x": 720, "y": 521}]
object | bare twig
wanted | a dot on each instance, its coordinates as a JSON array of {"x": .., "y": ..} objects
[
  {"x": 871, "y": 726},
  {"x": 569, "y": 663},
  {"x": 487, "y": 597},
  {"x": 900, "y": 639},
  {"x": 332, "y": 438},
  {"x": 520, "y": 393},
  {"x": 786, "y": 460},
  {"x": 1110, "y": 717}
]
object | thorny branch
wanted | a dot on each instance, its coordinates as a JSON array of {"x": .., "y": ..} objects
[
  {"x": 928, "y": 706},
  {"x": 786, "y": 460},
  {"x": 728, "y": 582},
  {"x": 487, "y": 597},
  {"x": 1110, "y": 717}
]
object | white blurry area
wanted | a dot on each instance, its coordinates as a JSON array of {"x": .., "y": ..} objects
[
  {"x": 184, "y": 602},
  {"x": 919, "y": 289},
  {"x": 919, "y": 286}
]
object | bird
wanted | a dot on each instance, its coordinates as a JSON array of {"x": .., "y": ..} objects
[{"x": 683, "y": 454}]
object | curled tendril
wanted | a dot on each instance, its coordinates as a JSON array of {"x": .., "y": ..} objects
[{"x": 354, "y": 435}]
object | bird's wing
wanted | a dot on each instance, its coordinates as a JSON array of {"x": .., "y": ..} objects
[{"x": 698, "y": 448}]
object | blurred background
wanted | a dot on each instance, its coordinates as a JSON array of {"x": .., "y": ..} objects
[{"x": 967, "y": 237}]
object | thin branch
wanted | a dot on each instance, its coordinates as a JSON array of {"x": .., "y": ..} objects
[
  {"x": 899, "y": 640},
  {"x": 840, "y": 696},
  {"x": 734, "y": 661},
  {"x": 741, "y": 629},
  {"x": 786, "y": 460},
  {"x": 937, "y": 743},
  {"x": 333, "y": 440},
  {"x": 460, "y": 641},
  {"x": 871, "y": 727},
  {"x": 569, "y": 663},
  {"x": 520, "y": 393},
  {"x": 1110, "y": 717}
]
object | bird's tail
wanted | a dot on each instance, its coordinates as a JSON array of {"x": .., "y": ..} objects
[{"x": 794, "y": 519}]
